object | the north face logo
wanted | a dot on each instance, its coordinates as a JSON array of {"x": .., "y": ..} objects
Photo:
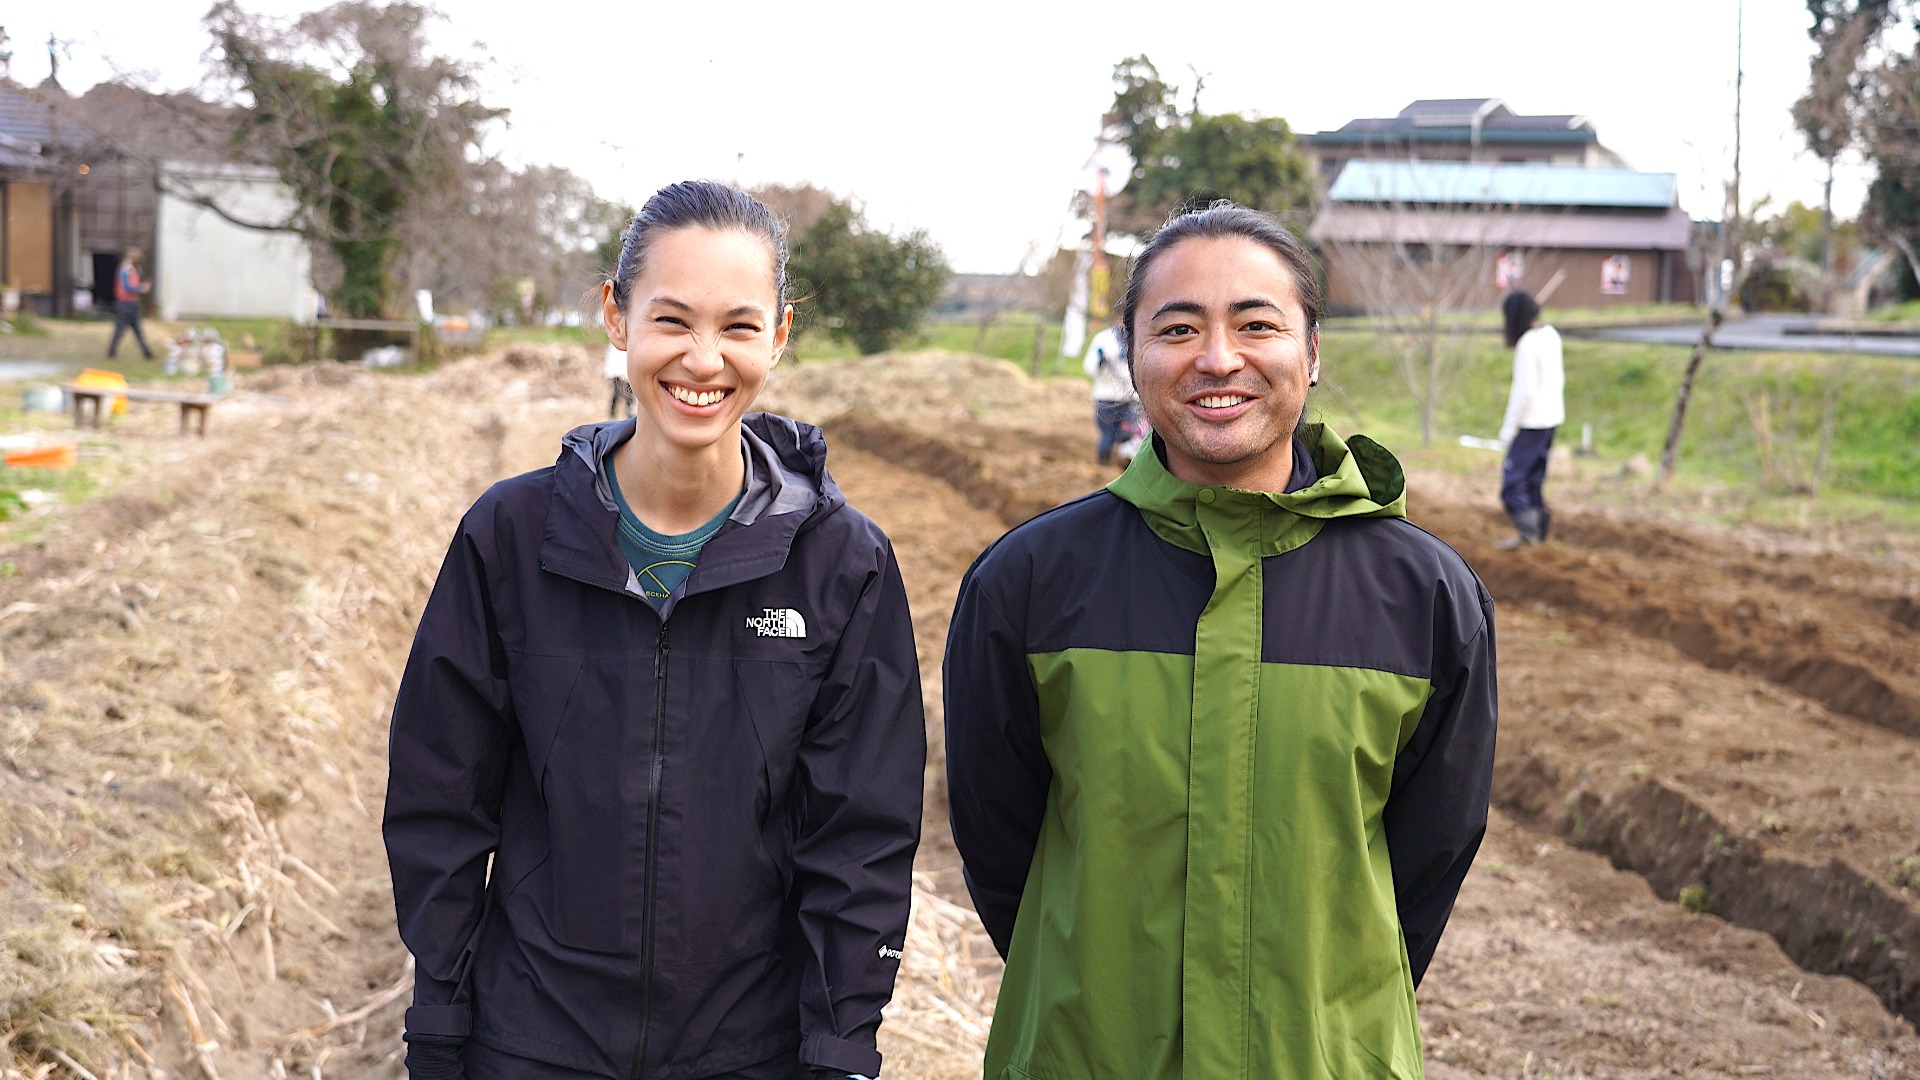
[{"x": 779, "y": 622}]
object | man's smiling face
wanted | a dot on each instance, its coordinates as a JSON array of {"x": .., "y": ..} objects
[{"x": 1222, "y": 359}]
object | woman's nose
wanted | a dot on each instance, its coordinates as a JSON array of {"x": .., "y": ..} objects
[{"x": 704, "y": 358}]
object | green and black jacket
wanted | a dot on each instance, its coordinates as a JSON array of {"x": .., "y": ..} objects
[{"x": 1218, "y": 763}]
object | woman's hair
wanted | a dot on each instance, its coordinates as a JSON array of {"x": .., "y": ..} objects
[
  {"x": 1222, "y": 219},
  {"x": 1520, "y": 310},
  {"x": 702, "y": 204}
]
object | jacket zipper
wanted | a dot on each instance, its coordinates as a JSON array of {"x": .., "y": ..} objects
[{"x": 653, "y": 849}]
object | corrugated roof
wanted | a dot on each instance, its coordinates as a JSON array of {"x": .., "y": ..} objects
[
  {"x": 1454, "y": 120},
  {"x": 23, "y": 119},
  {"x": 1352, "y": 224},
  {"x": 1501, "y": 184}
]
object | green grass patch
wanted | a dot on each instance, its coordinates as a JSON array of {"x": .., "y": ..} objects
[
  {"x": 1906, "y": 312},
  {"x": 1489, "y": 320},
  {"x": 1754, "y": 422},
  {"x": 547, "y": 335},
  {"x": 1010, "y": 338}
]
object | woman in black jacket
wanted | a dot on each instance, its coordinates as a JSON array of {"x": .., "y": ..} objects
[{"x": 657, "y": 753}]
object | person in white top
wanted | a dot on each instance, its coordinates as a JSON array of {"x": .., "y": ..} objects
[
  {"x": 1535, "y": 408},
  {"x": 615, "y": 367},
  {"x": 1116, "y": 408}
]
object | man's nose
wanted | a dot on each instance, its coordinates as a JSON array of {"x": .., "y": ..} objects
[{"x": 1217, "y": 355}]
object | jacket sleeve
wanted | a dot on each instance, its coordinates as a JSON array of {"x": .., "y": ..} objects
[
  {"x": 1436, "y": 812},
  {"x": 856, "y": 804},
  {"x": 997, "y": 768},
  {"x": 447, "y": 759}
]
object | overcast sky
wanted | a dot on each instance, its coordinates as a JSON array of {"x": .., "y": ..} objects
[{"x": 973, "y": 119}]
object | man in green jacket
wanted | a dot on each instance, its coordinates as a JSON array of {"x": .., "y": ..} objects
[{"x": 1220, "y": 736}]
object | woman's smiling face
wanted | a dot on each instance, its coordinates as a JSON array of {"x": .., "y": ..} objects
[{"x": 702, "y": 328}]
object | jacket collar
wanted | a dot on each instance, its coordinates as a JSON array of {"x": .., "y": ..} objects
[
  {"x": 787, "y": 489},
  {"x": 1346, "y": 478}
]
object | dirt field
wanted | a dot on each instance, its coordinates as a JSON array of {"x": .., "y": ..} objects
[{"x": 1704, "y": 861}]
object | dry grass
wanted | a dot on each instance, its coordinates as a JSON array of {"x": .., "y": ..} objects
[
  {"x": 936, "y": 1027},
  {"x": 194, "y": 676}
]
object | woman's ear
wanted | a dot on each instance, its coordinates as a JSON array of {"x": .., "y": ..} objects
[
  {"x": 613, "y": 317},
  {"x": 782, "y": 333}
]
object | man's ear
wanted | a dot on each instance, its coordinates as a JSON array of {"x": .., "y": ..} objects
[
  {"x": 614, "y": 319},
  {"x": 1313, "y": 357}
]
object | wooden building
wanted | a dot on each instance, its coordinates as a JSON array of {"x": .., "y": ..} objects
[
  {"x": 35, "y": 204},
  {"x": 82, "y": 180},
  {"x": 1407, "y": 234}
]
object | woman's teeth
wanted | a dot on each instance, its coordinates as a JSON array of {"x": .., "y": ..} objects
[{"x": 696, "y": 398}]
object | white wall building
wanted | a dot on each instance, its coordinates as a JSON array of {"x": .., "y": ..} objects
[{"x": 214, "y": 268}]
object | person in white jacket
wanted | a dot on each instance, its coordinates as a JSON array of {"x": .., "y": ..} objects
[
  {"x": 1116, "y": 409},
  {"x": 1535, "y": 408}
]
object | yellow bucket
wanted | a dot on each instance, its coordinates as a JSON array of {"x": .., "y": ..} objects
[{"x": 96, "y": 379}]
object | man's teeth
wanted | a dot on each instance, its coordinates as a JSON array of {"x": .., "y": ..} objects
[
  {"x": 696, "y": 397},
  {"x": 1220, "y": 401}
]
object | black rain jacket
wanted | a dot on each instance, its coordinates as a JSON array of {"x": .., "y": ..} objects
[{"x": 665, "y": 845}]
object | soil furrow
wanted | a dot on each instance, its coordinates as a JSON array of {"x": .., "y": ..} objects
[
  {"x": 1829, "y": 917},
  {"x": 1742, "y": 639}
]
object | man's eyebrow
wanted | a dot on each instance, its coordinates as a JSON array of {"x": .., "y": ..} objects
[
  {"x": 670, "y": 302},
  {"x": 747, "y": 309},
  {"x": 1184, "y": 307},
  {"x": 1252, "y": 304}
]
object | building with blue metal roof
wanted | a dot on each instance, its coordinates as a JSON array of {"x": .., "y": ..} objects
[{"x": 1437, "y": 203}]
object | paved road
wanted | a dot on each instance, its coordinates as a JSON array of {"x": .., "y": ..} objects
[
  {"x": 30, "y": 369},
  {"x": 1767, "y": 332}
]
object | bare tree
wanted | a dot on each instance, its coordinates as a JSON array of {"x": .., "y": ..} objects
[
  {"x": 453, "y": 219},
  {"x": 1727, "y": 244},
  {"x": 1420, "y": 271},
  {"x": 357, "y": 117},
  {"x": 1829, "y": 114},
  {"x": 472, "y": 241}
]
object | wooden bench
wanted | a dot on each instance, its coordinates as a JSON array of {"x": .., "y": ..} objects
[
  {"x": 89, "y": 401},
  {"x": 391, "y": 326}
]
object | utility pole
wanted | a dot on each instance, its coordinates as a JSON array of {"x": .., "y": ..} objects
[
  {"x": 1739, "y": 79},
  {"x": 1099, "y": 278}
]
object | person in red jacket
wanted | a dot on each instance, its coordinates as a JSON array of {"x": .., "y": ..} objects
[{"x": 130, "y": 287}]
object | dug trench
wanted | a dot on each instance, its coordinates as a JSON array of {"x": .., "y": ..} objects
[{"x": 1685, "y": 773}]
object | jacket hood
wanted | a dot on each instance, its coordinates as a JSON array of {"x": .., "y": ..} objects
[
  {"x": 1354, "y": 478},
  {"x": 787, "y": 489}
]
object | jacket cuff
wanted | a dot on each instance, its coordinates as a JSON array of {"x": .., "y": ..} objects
[
  {"x": 453, "y": 1021},
  {"x": 840, "y": 1055},
  {"x": 434, "y": 1057}
]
